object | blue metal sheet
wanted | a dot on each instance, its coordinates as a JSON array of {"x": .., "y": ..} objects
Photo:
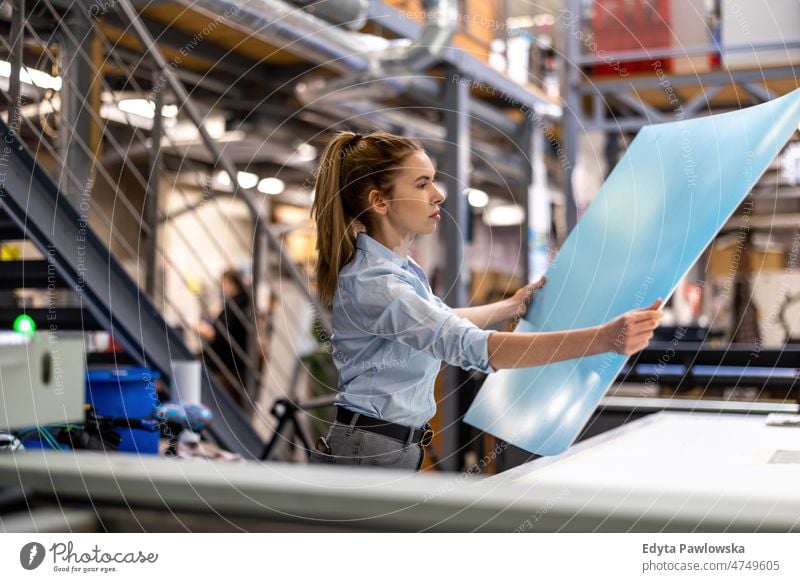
[{"x": 666, "y": 199}]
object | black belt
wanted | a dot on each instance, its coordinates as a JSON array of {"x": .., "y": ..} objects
[{"x": 422, "y": 436}]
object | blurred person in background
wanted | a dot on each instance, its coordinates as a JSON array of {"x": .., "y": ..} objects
[{"x": 227, "y": 338}]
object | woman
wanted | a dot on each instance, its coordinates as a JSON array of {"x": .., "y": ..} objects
[
  {"x": 374, "y": 194},
  {"x": 227, "y": 337}
]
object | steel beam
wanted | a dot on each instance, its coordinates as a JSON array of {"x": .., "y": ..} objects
[
  {"x": 526, "y": 147},
  {"x": 671, "y": 52},
  {"x": 153, "y": 195},
  {"x": 455, "y": 279},
  {"x": 16, "y": 59},
  {"x": 611, "y": 151},
  {"x": 691, "y": 107},
  {"x": 456, "y": 179},
  {"x": 573, "y": 123},
  {"x": 649, "y": 113},
  {"x": 706, "y": 80},
  {"x": 762, "y": 94},
  {"x": 75, "y": 36},
  {"x": 227, "y": 61},
  {"x": 540, "y": 215}
]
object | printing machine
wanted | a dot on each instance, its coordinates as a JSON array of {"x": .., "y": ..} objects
[
  {"x": 666, "y": 464},
  {"x": 669, "y": 471}
]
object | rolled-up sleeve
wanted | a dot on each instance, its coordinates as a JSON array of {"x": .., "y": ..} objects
[
  {"x": 393, "y": 310},
  {"x": 442, "y": 304}
]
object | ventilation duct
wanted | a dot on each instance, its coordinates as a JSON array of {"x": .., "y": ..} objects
[{"x": 351, "y": 14}]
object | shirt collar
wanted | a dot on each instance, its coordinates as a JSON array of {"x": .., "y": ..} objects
[{"x": 369, "y": 244}]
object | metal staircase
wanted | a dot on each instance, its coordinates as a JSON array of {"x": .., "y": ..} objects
[
  {"x": 110, "y": 297},
  {"x": 51, "y": 207}
]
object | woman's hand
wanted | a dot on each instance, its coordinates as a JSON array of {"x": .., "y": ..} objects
[
  {"x": 513, "y": 307},
  {"x": 632, "y": 331},
  {"x": 519, "y": 302},
  {"x": 206, "y": 330}
]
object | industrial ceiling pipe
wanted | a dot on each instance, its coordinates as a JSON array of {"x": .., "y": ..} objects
[
  {"x": 346, "y": 52},
  {"x": 441, "y": 23},
  {"x": 351, "y": 14},
  {"x": 400, "y": 70}
]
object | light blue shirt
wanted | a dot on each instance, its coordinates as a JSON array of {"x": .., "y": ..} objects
[{"x": 390, "y": 334}]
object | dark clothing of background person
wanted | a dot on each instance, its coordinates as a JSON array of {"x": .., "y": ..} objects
[{"x": 231, "y": 339}]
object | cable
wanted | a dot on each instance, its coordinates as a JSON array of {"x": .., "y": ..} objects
[{"x": 50, "y": 439}]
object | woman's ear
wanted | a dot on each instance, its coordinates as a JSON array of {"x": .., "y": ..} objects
[{"x": 377, "y": 201}]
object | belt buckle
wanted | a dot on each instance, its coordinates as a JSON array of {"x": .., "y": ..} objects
[{"x": 427, "y": 436}]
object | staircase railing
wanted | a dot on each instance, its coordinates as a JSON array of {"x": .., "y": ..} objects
[{"x": 37, "y": 202}]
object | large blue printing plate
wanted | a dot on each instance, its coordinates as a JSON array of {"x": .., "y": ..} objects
[{"x": 671, "y": 193}]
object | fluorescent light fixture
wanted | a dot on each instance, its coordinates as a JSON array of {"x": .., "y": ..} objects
[
  {"x": 222, "y": 178},
  {"x": 789, "y": 164},
  {"x": 140, "y": 107},
  {"x": 272, "y": 186},
  {"x": 246, "y": 179},
  {"x": 549, "y": 109},
  {"x": 231, "y": 136},
  {"x": 306, "y": 152},
  {"x": 477, "y": 198},
  {"x": 504, "y": 215},
  {"x": 33, "y": 77},
  {"x": 525, "y": 21},
  {"x": 145, "y": 108},
  {"x": 542, "y": 20}
]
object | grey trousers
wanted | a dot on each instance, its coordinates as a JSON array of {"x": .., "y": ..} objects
[{"x": 351, "y": 445}]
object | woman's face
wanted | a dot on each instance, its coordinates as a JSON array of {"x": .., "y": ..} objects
[
  {"x": 413, "y": 208},
  {"x": 229, "y": 288}
]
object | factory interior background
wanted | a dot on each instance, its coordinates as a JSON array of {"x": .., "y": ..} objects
[{"x": 150, "y": 148}]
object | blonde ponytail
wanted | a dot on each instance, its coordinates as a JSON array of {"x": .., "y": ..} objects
[
  {"x": 336, "y": 241},
  {"x": 351, "y": 165}
]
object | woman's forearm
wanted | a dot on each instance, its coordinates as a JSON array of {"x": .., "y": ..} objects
[
  {"x": 487, "y": 315},
  {"x": 625, "y": 334},
  {"x": 525, "y": 350}
]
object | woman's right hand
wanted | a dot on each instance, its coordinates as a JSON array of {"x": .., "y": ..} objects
[{"x": 632, "y": 331}]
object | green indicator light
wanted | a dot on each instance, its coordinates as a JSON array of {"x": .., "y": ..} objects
[{"x": 24, "y": 325}]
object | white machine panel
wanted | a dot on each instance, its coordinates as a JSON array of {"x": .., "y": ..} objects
[{"x": 42, "y": 381}]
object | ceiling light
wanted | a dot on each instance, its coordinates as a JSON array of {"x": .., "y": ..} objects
[
  {"x": 504, "y": 215},
  {"x": 246, "y": 179},
  {"x": 140, "y": 107},
  {"x": 524, "y": 21},
  {"x": 477, "y": 198},
  {"x": 306, "y": 152},
  {"x": 222, "y": 178},
  {"x": 272, "y": 186},
  {"x": 33, "y": 77},
  {"x": 543, "y": 20},
  {"x": 145, "y": 108},
  {"x": 231, "y": 136}
]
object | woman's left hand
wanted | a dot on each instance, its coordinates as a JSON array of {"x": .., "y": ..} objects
[
  {"x": 520, "y": 301},
  {"x": 205, "y": 330}
]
